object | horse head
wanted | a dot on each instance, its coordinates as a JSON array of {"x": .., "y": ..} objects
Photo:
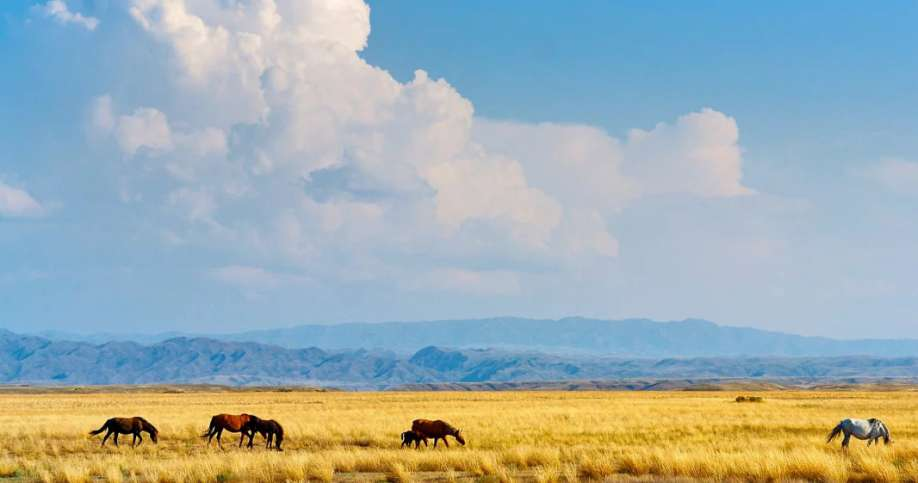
[
  {"x": 150, "y": 429},
  {"x": 459, "y": 438}
]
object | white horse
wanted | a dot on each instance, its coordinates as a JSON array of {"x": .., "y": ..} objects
[{"x": 870, "y": 429}]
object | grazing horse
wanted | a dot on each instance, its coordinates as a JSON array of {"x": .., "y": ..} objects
[
  {"x": 269, "y": 429},
  {"x": 437, "y": 430},
  {"x": 871, "y": 429},
  {"x": 131, "y": 426},
  {"x": 230, "y": 422},
  {"x": 409, "y": 437}
]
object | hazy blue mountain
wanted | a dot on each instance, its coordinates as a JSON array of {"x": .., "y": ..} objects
[
  {"x": 626, "y": 338},
  {"x": 36, "y": 360}
]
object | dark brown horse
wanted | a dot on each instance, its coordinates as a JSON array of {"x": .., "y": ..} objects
[
  {"x": 409, "y": 437},
  {"x": 437, "y": 430},
  {"x": 234, "y": 423},
  {"x": 269, "y": 429},
  {"x": 132, "y": 426}
]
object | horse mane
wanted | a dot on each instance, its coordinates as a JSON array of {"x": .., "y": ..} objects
[
  {"x": 449, "y": 427},
  {"x": 146, "y": 424}
]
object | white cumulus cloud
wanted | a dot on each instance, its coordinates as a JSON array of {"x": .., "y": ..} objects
[
  {"x": 298, "y": 151},
  {"x": 699, "y": 154}
]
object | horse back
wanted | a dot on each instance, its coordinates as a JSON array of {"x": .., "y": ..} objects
[
  {"x": 233, "y": 422},
  {"x": 434, "y": 429},
  {"x": 123, "y": 425}
]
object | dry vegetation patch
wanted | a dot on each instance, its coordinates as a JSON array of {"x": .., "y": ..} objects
[{"x": 530, "y": 436}]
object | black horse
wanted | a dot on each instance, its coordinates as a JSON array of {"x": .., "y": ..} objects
[
  {"x": 409, "y": 437},
  {"x": 132, "y": 426},
  {"x": 269, "y": 429}
]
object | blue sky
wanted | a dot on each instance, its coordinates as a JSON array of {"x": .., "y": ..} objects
[{"x": 214, "y": 166}]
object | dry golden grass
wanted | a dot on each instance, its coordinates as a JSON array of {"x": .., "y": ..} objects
[{"x": 530, "y": 436}]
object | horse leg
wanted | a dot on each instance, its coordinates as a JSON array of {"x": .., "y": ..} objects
[
  {"x": 435, "y": 442},
  {"x": 116, "y": 438},
  {"x": 139, "y": 438},
  {"x": 219, "y": 434},
  {"x": 846, "y": 440},
  {"x": 109, "y": 433},
  {"x": 446, "y": 441}
]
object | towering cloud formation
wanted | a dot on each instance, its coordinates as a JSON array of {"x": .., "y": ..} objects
[{"x": 299, "y": 152}]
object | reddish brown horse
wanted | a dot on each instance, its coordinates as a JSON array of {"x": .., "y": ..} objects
[
  {"x": 234, "y": 423},
  {"x": 132, "y": 426},
  {"x": 437, "y": 430}
]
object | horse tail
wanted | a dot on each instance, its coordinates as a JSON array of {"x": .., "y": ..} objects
[
  {"x": 212, "y": 428},
  {"x": 835, "y": 432},
  {"x": 103, "y": 428}
]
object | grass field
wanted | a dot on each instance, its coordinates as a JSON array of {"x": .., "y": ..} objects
[{"x": 541, "y": 436}]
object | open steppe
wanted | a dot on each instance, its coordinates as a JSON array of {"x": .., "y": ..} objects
[{"x": 542, "y": 436}]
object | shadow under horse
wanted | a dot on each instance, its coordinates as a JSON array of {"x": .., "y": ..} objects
[
  {"x": 234, "y": 423},
  {"x": 133, "y": 426}
]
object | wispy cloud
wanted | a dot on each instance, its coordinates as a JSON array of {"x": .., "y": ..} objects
[
  {"x": 18, "y": 203},
  {"x": 253, "y": 281},
  {"x": 897, "y": 175},
  {"x": 59, "y": 11}
]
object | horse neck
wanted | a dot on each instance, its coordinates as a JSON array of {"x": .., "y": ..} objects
[{"x": 146, "y": 426}]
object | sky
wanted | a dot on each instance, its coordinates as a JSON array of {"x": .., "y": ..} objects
[{"x": 224, "y": 165}]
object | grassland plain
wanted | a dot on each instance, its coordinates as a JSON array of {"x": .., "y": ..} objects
[{"x": 540, "y": 436}]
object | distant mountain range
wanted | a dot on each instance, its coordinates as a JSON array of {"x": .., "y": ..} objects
[
  {"x": 38, "y": 360},
  {"x": 571, "y": 336}
]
